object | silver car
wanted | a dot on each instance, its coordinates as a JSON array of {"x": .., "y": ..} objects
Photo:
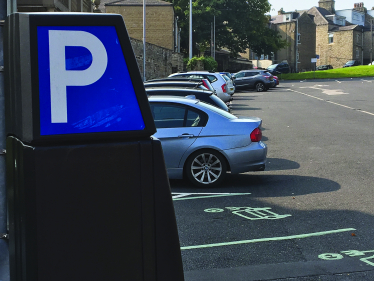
[
  {"x": 217, "y": 81},
  {"x": 201, "y": 142}
]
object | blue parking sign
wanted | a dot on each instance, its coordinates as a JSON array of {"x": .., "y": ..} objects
[
  {"x": 84, "y": 82},
  {"x": 73, "y": 77}
]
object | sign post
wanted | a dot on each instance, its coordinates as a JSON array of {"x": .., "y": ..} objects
[{"x": 89, "y": 197}]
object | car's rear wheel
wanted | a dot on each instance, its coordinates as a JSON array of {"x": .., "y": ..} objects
[
  {"x": 206, "y": 168},
  {"x": 260, "y": 87}
]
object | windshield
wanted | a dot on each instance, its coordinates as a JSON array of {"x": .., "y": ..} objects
[
  {"x": 273, "y": 66},
  {"x": 351, "y": 62}
]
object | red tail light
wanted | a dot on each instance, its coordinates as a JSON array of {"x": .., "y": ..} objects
[
  {"x": 256, "y": 135},
  {"x": 205, "y": 84},
  {"x": 223, "y": 88}
]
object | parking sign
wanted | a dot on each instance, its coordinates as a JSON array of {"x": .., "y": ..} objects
[{"x": 85, "y": 82}]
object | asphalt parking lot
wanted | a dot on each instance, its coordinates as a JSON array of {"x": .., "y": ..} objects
[{"x": 310, "y": 214}]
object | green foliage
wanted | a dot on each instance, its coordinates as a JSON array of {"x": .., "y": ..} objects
[
  {"x": 209, "y": 63},
  {"x": 348, "y": 72},
  {"x": 240, "y": 24}
]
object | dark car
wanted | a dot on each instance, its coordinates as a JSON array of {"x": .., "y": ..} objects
[
  {"x": 203, "y": 95},
  {"x": 282, "y": 67},
  {"x": 261, "y": 80},
  {"x": 324, "y": 67},
  {"x": 351, "y": 63}
]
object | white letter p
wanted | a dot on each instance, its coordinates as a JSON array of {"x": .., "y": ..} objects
[{"x": 60, "y": 77}]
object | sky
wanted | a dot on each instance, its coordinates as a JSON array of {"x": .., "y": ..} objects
[{"x": 292, "y": 5}]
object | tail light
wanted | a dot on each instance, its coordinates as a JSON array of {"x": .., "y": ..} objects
[
  {"x": 267, "y": 77},
  {"x": 205, "y": 84},
  {"x": 256, "y": 135},
  {"x": 223, "y": 88}
]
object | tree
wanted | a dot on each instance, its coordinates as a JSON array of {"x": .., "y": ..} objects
[{"x": 240, "y": 24}]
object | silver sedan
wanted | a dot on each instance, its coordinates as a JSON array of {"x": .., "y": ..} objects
[{"x": 202, "y": 142}]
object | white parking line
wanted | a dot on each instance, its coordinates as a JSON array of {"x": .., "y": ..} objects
[
  {"x": 342, "y": 105},
  {"x": 183, "y": 196},
  {"x": 300, "y": 236}
]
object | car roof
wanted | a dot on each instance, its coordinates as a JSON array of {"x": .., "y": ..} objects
[
  {"x": 185, "y": 100},
  {"x": 188, "y": 91}
]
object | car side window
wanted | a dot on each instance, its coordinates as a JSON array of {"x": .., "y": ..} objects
[
  {"x": 249, "y": 74},
  {"x": 212, "y": 78},
  {"x": 239, "y": 75},
  {"x": 176, "y": 116}
]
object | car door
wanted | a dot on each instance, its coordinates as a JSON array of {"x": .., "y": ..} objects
[
  {"x": 240, "y": 79},
  {"x": 250, "y": 79},
  {"x": 178, "y": 127}
]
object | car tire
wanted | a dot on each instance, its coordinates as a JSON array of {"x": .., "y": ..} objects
[
  {"x": 260, "y": 87},
  {"x": 205, "y": 168}
]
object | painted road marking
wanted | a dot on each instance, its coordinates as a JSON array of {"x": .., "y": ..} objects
[
  {"x": 299, "y": 236},
  {"x": 342, "y": 105},
  {"x": 350, "y": 253},
  {"x": 328, "y": 92},
  {"x": 250, "y": 213},
  {"x": 183, "y": 196}
]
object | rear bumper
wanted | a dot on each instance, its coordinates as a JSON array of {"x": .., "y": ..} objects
[{"x": 248, "y": 158}]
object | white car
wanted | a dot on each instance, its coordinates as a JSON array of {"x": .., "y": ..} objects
[
  {"x": 229, "y": 85},
  {"x": 217, "y": 81}
]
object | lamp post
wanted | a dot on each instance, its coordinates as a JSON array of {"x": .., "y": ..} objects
[
  {"x": 190, "y": 45},
  {"x": 144, "y": 44}
]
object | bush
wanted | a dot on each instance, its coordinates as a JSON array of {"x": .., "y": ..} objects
[{"x": 209, "y": 63}]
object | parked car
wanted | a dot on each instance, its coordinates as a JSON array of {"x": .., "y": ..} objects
[
  {"x": 261, "y": 80},
  {"x": 204, "y": 81},
  {"x": 276, "y": 81},
  {"x": 229, "y": 85},
  {"x": 201, "y": 142},
  {"x": 282, "y": 67},
  {"x": 175, "y": 84},
  {"x": 217, "y": 81},
  {"x": 324, "y": 67},
  {"x": 229, "y": 74},
  {"x": 351, "y": 63},
  {"x": 203, "y": 95}
]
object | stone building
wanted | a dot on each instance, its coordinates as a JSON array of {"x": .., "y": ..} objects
[
  {"x": 55, "y": 6},
  {"x": 337, "y": 40},
  {"x": 159, "y": 20},
  {"x": 299, "y": 30}
]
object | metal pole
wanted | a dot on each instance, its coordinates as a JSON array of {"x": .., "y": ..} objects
[
  {"x": 211, "y": 39},
  {"x": 297, "y": 43},
  {"x": 214, "y": 37},
  {"x": 6, "y": 7},
  {"x": 144, "y": 27},
  {"x": 371, "y": 37},
  {"x": 190, "y": 47},
  {"x": 176, "y": 35}
]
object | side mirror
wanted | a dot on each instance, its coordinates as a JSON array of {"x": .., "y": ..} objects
[{"x": 233, "y": 77}]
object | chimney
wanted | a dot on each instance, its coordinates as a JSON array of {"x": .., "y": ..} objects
[
  {"x": 280, "y": 12},
  {"x": 329, "y": 5}
]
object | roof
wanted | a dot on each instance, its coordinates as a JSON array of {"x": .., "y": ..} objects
[
  {"x": 320, "y": 15},
  {"x": 138, "y": 3}
]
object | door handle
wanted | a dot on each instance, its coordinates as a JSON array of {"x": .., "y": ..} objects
[{"x": 185, "y": 136}]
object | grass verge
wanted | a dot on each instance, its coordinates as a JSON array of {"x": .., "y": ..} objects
[{"x": 348, "y": 72}]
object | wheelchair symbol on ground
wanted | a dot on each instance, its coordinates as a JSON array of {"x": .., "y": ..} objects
[
  {"x": 250, "y": 213},
  {"x": 350, "y": 253}
]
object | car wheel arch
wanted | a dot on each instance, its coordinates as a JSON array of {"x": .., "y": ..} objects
[{"x": 200, "y": 149}]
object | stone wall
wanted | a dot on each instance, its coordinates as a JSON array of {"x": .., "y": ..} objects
[
  {"x": 159, "y": 22},
  {"x": 307, "y": 44},
  {"x": 341, "y": 50},
  {"x": 160, "y": 62}
]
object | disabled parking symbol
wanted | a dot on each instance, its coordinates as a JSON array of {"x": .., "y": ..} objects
[{"x": 250, "y": 213}]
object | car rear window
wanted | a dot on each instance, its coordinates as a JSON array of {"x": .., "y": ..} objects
[{"x": 218, "y": 110}]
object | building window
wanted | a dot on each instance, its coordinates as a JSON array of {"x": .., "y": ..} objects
[
  {"x": 331, "y": 38},
  {"x": 358, "y": 38},
  {"x": 297, "y": 56},
  {"x": 357, "y": 53},
  {"x": 298, "y": 38}
]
